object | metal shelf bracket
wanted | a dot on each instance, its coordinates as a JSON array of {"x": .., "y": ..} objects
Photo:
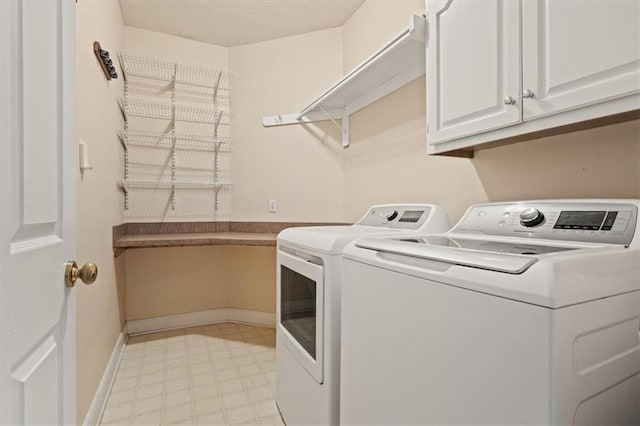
[{"x": 299, "y": 118}]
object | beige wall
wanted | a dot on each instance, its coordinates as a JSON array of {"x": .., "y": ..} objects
[
  {"x": 174, "y": 49},
  {"x": 596, "y": 163},
  {"x": 100, "y": 307},
  {"x": 299, "y": 166},
  {"x": 373, "y": 25},
  {"x": 166, "y": 281},
  {"x": 174, "y": 280},
  {"x": 252, "y": 278}
]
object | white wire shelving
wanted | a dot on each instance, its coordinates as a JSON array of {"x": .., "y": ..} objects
[
  {"x": 140, "y": 107},
  {"x": 174, "y": 107},
  {"x": 154, "y": 184},
  {"x": 134, "y": 65},
  {"x": 166, "y": 141}
]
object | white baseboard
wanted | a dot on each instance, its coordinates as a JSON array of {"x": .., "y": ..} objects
[
  {"x": 245, "y": 316},
  {"x": 96, "y": 409},
  {"x": 193, "y": 319}
]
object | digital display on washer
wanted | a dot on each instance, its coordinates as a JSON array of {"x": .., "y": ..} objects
[
  {"x": 588, "y": 220},
  {"x": 411, "y": 216}
]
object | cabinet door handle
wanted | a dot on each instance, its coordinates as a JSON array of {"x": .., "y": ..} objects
[
  {"x": 528, "y": 94},
  {"x": 509, "y": 100}
]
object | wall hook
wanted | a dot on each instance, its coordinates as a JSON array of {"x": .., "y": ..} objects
[{"x": 105, "y": 61}]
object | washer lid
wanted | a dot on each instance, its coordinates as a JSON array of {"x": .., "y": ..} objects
[
  {"x": 558, "y": 275},
  {"x": 492, "y": 255},
  {"x": 512, "y": 247}
]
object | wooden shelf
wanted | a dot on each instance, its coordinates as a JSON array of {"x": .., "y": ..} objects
[{"x": 399, "y": 62}]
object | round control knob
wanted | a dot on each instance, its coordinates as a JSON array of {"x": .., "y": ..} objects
[
  {"x": 531, "y": 217},
  {"x": 390, "y": 215}
]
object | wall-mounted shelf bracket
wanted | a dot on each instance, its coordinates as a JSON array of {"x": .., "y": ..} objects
[
  {"x": 398, "y": 63},
  {"x": 298, "y": 118}
]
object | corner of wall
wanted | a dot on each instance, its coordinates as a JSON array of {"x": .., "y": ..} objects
[{"x": 98, "y": 198}]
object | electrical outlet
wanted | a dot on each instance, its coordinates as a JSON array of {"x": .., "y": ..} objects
[{"x": 273, "y": 207}]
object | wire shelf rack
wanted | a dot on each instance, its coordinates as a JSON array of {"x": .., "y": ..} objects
[
  {"x": 166, "y": 141},
  {"x": 177, "y": 127},
  {"x": 146, "y": 108},
  {"x": 128, "y": 184},
  {"x": 142, "y": 66}
]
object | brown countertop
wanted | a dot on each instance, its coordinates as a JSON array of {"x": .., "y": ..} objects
[
  {"x": 196, "y": 239},
  {"x": 172, "y": 234}
]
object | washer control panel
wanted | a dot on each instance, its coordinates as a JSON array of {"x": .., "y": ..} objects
[{"x": 588, "y": 221}]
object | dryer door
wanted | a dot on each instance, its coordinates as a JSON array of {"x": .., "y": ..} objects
[{"x": 300, "y": 310}]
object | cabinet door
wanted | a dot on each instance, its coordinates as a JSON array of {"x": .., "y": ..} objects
[
  {"x": 473, "y": 67},
  {"x": 578, "y": 53}
]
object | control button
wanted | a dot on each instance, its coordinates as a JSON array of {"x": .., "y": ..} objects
[
  {"x": 390, "y": 215},
  {"x": 506, "y": 214},
  {"x": 609, "y": 220},
  {"x": 531, "y": 217},
  {"x": 481, "y": 213},
  {"x": 501, "y": 222}
]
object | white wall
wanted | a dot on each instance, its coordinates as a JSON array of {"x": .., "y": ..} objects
[{"x": 100, "y": 307}]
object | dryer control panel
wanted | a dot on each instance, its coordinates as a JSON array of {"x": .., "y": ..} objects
[
  {"x": 404, "y": 216},
  {"x": 575, "y": 220}
]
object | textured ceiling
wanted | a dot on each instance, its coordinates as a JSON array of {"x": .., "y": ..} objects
[{"x": 236, "y": 22}]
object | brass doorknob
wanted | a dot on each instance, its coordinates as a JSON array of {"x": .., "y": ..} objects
[{"x": 88, "y": 273}]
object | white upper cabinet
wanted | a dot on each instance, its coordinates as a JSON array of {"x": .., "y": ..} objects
[
  {"x": 575, "y": 54},
  {"x": 500, "y": 69},
  {"x": 473, "y": 67}
]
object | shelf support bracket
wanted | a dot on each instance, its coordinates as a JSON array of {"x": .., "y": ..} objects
[
  {"x": 126, "y": 196},
  {"x": 298, "y": 118},
  {"x": 329, "y": 117},
  {"x": 345, "y": 128}
]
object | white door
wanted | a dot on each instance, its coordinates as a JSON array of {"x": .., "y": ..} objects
[
  {"x": 578, "y": 53},
  {"x": 37, "y": 197},
  {"x": 473, "y": 67}
]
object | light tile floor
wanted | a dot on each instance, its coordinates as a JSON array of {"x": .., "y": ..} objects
[{"x": 221, "y": 374}]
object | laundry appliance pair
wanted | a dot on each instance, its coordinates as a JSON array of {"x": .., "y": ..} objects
[{"x": 522, "y": 313}]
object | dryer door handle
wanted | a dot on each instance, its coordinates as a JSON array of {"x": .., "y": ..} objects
[{"x": 500, "y": 262}]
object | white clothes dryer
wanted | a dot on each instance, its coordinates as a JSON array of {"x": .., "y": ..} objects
[
  {"x": 524, "y": 313},
  {"x": 308, "y": 306}
]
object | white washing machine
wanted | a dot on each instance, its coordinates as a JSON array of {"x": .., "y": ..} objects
[
  {"x": 524, "y": 313},
  {"x": 308, "y": 306}
]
